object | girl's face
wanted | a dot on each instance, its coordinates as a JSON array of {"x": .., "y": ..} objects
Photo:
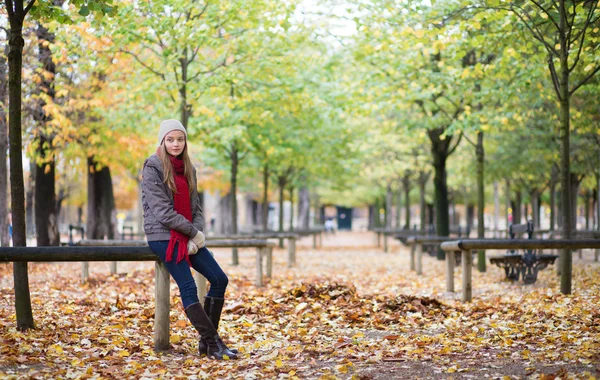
[{"x": 175, "y": 143}]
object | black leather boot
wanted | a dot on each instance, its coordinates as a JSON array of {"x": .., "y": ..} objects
[
  {"x": 201, "y": 322},
  {"x": 213, "y": 307}
]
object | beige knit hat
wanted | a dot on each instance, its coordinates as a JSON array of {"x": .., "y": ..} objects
[{"x": 168, "y": 126}]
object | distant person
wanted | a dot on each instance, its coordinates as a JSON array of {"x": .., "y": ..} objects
[
  {"x": 329, "y": 227},
  {"x": 173, "y": 223}
]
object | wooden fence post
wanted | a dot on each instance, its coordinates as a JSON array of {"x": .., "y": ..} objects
[
  {"x": 450, "y": 272},
  {"x": 413, "y": 247},
  {"x": 314, "y": 241},
  {"x": 385, "y": 243},
  {"x": 162, "y": 305},
  {"x": 85, "y": 272},
  {"x": 291, "y": 252},
  {"x": 467, "y": 264},
  {"x": 269, "y": 252},
  {"x": 259, "y": 253}
]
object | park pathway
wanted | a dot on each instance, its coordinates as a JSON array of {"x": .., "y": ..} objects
[{"x": 346, "y": 311}]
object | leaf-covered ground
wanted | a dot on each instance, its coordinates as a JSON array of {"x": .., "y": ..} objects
[{"x": 347, "y": 311}]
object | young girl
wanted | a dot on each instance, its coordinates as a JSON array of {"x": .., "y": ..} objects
[{"x": 173, "y": 223}]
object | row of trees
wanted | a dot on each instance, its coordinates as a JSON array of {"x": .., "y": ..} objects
[{"x": 448, "y": 97}]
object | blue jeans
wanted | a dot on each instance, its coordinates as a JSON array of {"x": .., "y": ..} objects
[{"x": 203, "y": 262}]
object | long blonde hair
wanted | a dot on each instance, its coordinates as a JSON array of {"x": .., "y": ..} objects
[{"x": 169, "y": 178}]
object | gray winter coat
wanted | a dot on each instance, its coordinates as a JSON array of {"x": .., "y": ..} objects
[{"x": 157, "y": 200}]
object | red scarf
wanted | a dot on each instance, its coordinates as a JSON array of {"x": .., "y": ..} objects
[{"x": 183, "y": 206}]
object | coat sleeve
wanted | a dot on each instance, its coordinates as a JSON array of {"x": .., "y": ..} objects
[
  {"x": 197, "y": 214},
  {"x": 160, "y": 203}
]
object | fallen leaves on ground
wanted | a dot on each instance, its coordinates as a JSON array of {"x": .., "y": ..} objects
[{"x": 341, "y": 313}]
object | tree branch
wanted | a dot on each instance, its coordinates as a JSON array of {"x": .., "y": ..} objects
[
  {"x": 585, "y": 80},
  {"x": 222, "y": 64},
  {"x": 161, "y": 75},
  {"x": 546, "y": 12},
  {"x": 535, "y": 33},
  {"x": 469, "y": 140},
  {"x": 190, "y": 17},
  {"x": 28, "y": 7},
  {"x": 554, "y": 76},
  {"x": 582, "y": 34},
  {"x": 450, "y": 151}
]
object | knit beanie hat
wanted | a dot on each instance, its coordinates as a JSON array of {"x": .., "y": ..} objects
[{"x": 168, "y": 126}]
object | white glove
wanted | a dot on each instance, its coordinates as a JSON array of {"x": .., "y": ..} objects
[
  {"x": 199, "y": 239},
  {"x": 192, "y": 248}
]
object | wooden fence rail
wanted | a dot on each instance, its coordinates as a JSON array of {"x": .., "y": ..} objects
[
  {"x": 132, "y": 253},
  {"x": 466, "y": 246}
]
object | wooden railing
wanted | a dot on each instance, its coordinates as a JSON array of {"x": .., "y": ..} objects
[{"x": 466, "y": 246}]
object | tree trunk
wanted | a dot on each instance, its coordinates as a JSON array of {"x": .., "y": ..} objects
[
  {"x": 101, "y": 217},
  {"x": 535, "y": 208},
  {"x": 480, "y": 153},
  {"x": 46, "y": 218},
  {"x": 234, "y": 156},
  {"x": 559, "y": 216},
  {"x": 496, "y": 209},
  {"x": 455, "y": 220},
  {"x": 291, "y": 190},
  {"x": 598, "y": 195},
  {"x": 508, "y": 201},
  {"x": 430, "y": 214},
  {"x": 265, "y": 200},
  {"x": 4, "y": 238},
  {"x": 398, "y": 208},
  {"x": 588, "y": 197},
  {"x": 30, "y": 202},
  {"x": 224, "y": 216},
  {"x": 566, "y": 260},
  {"x": 574, "y": 181},
  {"x": 442, "y": 216},
  {"x": 470, "y": 215},
  {"x": 406, "y": 185},
  {"x": 46, "y": 221},
  {"x": 17, "y": 187},
  {"x": 422, "y": 204},
  {"x": 552, "y": 205},
  {"x": 184, "y": 108},
  {"x": 388, "y": 206},
  {"x": 303, "y": 208},
  {"x": 282, "y": 182},
  {"x": 371, "y": 222},
  {"x": 518, "y": 208}
]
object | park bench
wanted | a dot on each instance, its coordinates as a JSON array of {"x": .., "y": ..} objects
[
  {"x": 466, "y": 246},
  {"x": 527, "y": 264}
]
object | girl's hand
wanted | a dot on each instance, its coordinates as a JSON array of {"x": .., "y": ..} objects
[
  {"x": 198, "y": 239},
  {"x": 192, "y": 248}
]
